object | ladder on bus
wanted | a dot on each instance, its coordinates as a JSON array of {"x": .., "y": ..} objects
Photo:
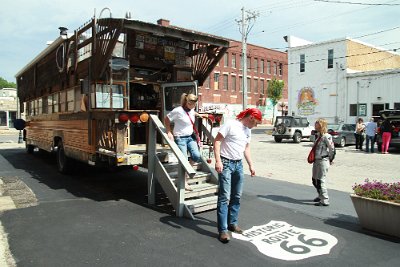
[{"x": 202, "y": 177}]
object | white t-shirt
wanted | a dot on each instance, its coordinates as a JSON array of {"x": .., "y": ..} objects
[
  {"x": 182, "y": 124},
  {"x": 236, "y": 137}
]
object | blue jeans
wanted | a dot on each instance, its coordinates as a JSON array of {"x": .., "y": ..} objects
[
  {"x": 187, "y": 143},
  {"x": 368, "y": 139},
  {"x": 230, "y": 191}
]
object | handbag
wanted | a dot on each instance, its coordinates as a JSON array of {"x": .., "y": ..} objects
[
  {"x": 195, "y": 134},
  {"x": 311, "y": 155}
]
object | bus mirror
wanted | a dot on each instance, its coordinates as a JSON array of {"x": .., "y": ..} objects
[{"x": 19, "y": 124}]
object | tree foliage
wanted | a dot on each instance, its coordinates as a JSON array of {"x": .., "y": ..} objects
[
  {"x": 5, "y": 84},
  {"x": 275, "y": 90}
]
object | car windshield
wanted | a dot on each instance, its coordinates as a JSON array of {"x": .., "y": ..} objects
[{"x": 333, "y": 127}]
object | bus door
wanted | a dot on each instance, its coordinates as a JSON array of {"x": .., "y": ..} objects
[{"x": 172, "y": 93}]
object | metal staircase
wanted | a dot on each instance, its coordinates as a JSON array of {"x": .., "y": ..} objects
[{"x": 203, "y": 179}]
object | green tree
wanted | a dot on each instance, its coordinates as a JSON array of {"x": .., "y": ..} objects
[
  {"x": 275, "y": 90},
  {"x": 5, "y": 84}
]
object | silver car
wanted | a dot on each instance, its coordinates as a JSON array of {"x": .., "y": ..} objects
[{"x": 342, "y": 134}]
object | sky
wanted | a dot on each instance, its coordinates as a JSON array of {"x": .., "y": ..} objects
[{"x": 26, "y": 26}]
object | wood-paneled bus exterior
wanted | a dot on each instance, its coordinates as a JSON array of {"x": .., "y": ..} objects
[{"x": 88, "y": 96}]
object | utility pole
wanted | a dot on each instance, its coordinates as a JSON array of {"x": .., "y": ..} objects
[{"x": 245, "y": 25}]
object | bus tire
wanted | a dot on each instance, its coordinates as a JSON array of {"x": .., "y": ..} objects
[{"x": 63, "y": 162}]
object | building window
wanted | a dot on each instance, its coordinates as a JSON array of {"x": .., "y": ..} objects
[
  {"x": 3, "y": 118},
  {"x": 280, "y": 69},
  {"x": 302, "y": 63},
  {"x": 262, "y": 66},
  {"x": 248, "y": 85},
  {"x": 226, "y": 60},
  {"x": 216, "y": 80},
  {"x": 330, "y": 58},
  {"x": 362, "y": 110},
  {"x": 234, "y": 61},
  {"x": 275, "y": 68},
  {"x": 248, "y": 64},
  {"x": 207, "y": 83},
  {"x": 240, "y": 63},
  {"x": 255, "y": 65},
  {"x": 255, "y": 86},
  {"x": 233, "y": 83},
  {"x": 240, "y": 84},
  {"x": 268, "y": 67},
  {"x": 225, "y": 85},
  {"x": 262, "y": 87}
]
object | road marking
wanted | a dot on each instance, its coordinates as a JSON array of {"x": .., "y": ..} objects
[{"x": 280, "y": 240}]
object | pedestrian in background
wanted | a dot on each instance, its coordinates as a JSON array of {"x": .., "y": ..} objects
[
  {"x": 324, "y": 155},
  {"x": 370, "y": 131},
  {"x": 359, "y": 133},
  {"x": 231, "y": 144},
  {"x": 386, "y": 130}
]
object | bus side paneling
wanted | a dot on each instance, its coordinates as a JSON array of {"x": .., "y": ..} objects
[{"x": 74, "y": 135}]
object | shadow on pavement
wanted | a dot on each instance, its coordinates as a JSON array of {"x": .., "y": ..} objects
[
  {"x": 288, "y": 199},
  {"x": 85, "y": 181},
  {"x": 350, "y": 223},
  {"x": 196, "y": 225}
]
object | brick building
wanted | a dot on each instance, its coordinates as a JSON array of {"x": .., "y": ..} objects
[{"x": 222, "y": 91}]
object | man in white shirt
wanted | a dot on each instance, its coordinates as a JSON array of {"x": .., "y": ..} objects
[{"x": 231, "y": 143}]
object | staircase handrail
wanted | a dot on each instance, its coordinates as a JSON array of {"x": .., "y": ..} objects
[{"x": 174, "y": 147}]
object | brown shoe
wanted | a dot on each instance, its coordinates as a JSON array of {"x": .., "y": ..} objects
[
  {"x": 224, "y": 237},
  {"x": 236, "y": 229}
]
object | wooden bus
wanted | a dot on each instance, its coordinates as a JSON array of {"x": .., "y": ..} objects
[{"x": 88, "y": 96}]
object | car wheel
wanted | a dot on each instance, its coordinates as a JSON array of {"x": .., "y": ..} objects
[
  {"x": 297, "y": 137},
  {"x": 281, "y": 128},
  {"x": 63, "y": 162},
  {"x": 278, "y": 139},
  {"x": 342, "y": 142}
]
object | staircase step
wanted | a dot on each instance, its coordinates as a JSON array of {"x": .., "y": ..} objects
[
  {"x": 200, "y": 190},
  {"x": 173, "y": 166},
  {"x": 200, "y": 177},
  {"x": 202, "y": 204}
]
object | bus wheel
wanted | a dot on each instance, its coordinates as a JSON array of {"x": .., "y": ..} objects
[
  {"x": 63, "y": 162},
  {"x": 29, "y": 148}
]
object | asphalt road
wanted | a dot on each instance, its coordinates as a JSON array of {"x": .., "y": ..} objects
[{"x": 95, "y": 218}]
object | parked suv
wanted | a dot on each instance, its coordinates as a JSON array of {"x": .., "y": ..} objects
[
  {"x": 394, "y": 118},
  {"x": 291, "y": 127}
]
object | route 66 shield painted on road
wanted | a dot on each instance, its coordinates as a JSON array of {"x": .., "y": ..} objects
[{"x": 283, "y": 241}]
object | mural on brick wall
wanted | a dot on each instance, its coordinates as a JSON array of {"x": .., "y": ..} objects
[{"x": 306, "y": 101}]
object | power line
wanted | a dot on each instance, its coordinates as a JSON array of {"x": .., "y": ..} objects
[
  {"x": 349, "y": 56},
  {"x": 356, "y": 3},
  {"x": 391, "y": 29}
]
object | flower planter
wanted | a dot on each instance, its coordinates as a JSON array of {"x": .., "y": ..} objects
[{"x": 378, "y": 215}]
